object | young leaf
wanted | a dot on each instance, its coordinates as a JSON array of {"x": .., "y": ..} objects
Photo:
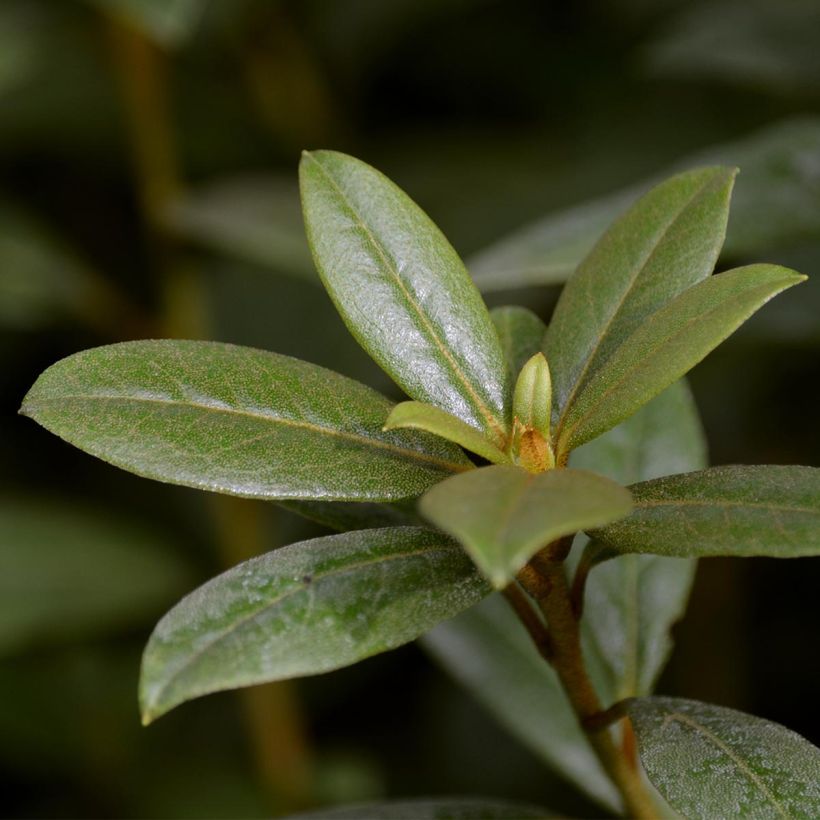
[
  {"x": 632, "y": 601},
  {"x": 303, "y": 609},
  {"x": 433, "y": 808},
  {"x": 667, "y": 344},
  {"x": 235, "y": 420},
  {"x": 488, "y": 651},
  {"x": 521, "y": 334},
  {"x": 532, "y": 399},
  {"x": 665, "y": 243},
  {"x": 709, "y": 761},
  {"x": 417, "y": 415},
  {"x": 743, "y": 511},
  {"x": 504, "y": 515},
  {"x": 403, "y": 291}
]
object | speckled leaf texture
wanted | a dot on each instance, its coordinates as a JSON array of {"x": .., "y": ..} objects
[
  {"x": 709, "y": 762},
  {"x": 236, "y": 420},
  {"x": 503, "y": 515},
  {"x": 665, "y": 243},
  {"x": 521, "y": 333},
  {"x": 433, "y": 808},
  {"x": 632, "y": 601},
  {"x": 403, "y": 291},
  {"x": 668, "y": 344},
  {"x": 306, "y": 608},
  {"x": 766, "y": 510}
]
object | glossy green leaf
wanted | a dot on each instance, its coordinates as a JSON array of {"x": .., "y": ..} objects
[
  {"x": 521, "y": 334},
  {"x": 665, "y": 243},
  {"x": 416, "y": 415},
  {"x": 402, "y": 290},
  {"x": 632, "y": 601},
  {"x": 504, "y": 515},
  {"x": 433, "y": 808},
  {"x": 69, "y": 572},
  {"x": 745, "y": 511},
  {"x": 669, "y": 343},
  {"x": 708, "y": 761},
  {"x": 168, "y": 22},
  {"x": 775, "y": 203},
  {"x": 253, "y": 218},
  {"x": 488, "y": 651},
  {"x": 235, "y": 420},
  {"x": 306, "y": 608}
]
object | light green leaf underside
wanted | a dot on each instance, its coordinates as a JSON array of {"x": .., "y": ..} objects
[
  {"x": 304, "y": 609},
  {"x": 416, "y": 415},
  {"x": 665, "y": 243},
  {"x": 521, "y": 333},
  {"x": 433, "y": 808},
  {"x": 708, "y": 761},
  {"x": 503, "y": 515},
  {"x": 669, "y": 343},
  {"x": 632, "y": 601},
  {"x": 403, "y": 291},
  {"x": 236, "y": 420},
  {"x": 775, "y": 203},
  {"x": 744, "y": 511},
  {"x": 68, "y": 572},
  {"x": 489, "y": 653}
]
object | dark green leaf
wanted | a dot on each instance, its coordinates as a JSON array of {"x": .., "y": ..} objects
[
  {"x": 303, "y": 609},
  {"x": 402, "y": 291},
  {"x": 521, "y": 333},
  {"x": 744, "y": 511},
  {"x": 708, "y": 761},
  {"x": 488, "y": 651},
  {"x": 667, "y": 242},
  {"x": 68, "y": 572},
  {"x": 670, "y": 342},
  {"x": 236, "y": 420},
  {"x": 417, "y": 415},
  {"x": 632, "y": 601},
  {"x": 434, "y": 808},
  {"x": 503, "y": 515}
]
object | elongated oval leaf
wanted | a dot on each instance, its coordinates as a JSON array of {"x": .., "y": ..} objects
[
  {"x": 665, "y": 243},
  {"x": 237, "y": 421},
  {"x": 632, "y": 601},
  {"x": 417, "y": 415},
  {"x": 748, "y": 510},
  {"x": 708, "y": 761},
  {"x": 306, "y": 608},
  {"x": 432, "y": 808},
  {"x": 403, "y": 291},
  {"x": 672, "y": 341},
  {"x": 504, "y": 515},
  {"x": 521, "y": 334}
]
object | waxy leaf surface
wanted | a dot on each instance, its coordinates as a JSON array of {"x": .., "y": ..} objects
[
  {"x": 403, "y": 291},
  {"x": 766, "y": 510},
  {"x": 306, "y": 608},
  {"x": 432, "y": 808},
  {"x": 521, "y": 333},
  {"x": 669, "y": 343},
  {"x": 632, "y": 601},
  {"x": 503, "y": 515},
  {"x": 488, "y": 651},
  {"x": 667, "y": 242},
  {"x": 236, "y": 420},
  {"x": 417, "y": 415},
  {"x": 708, "y": 761}
]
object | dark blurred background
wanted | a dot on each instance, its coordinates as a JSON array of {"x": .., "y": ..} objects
[{"x": 148, "y": 155}]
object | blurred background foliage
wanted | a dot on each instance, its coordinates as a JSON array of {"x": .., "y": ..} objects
[{"x": 148, "y": 153}]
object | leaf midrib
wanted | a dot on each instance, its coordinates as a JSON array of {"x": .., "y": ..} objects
[
  {"x": 490, "y": 418},
  {"x": 578, "y": 383},
  {"x": 317, "y": 577},
  {"x": 316, "y": 428}
]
